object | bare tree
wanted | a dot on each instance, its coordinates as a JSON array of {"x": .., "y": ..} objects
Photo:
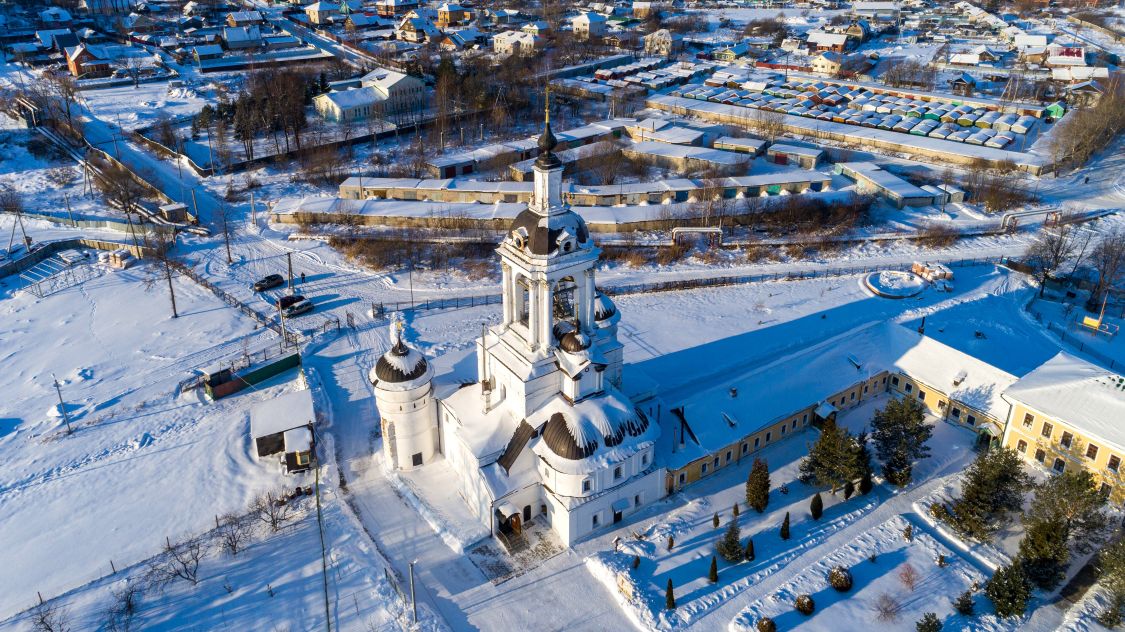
[
  {"x": 119, "y": 616},
  {"x": 1049, "y": 251},
  {"x": 49, "y": 617},
  {"x": 1108, "y": 260},
  {"x": 271, "y": 512},
  {"x": 122, "y": 189},
  {"x": 771, "y": 125},
  {"x": 909, "y": 577},
  {"x": 233, "y": 532},
  {"x": 887, "y": 608},
  {"x": 65, "y": 89},
  {"x": 178, "y": 561},
  {"x": 160, "y": 242},
  {"x": 224, "y": 225}
]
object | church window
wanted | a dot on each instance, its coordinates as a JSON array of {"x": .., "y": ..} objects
[
  {"x": 644, "y": 459},
  {"x": 595, "y": 520},
  {"x": 586, "y": 485},
  {"x": 617, "y": 473},
  {"x": 564, "y": 299},
  {"x": 416, "y": 460},
  {"x": 524, "y": 300}
]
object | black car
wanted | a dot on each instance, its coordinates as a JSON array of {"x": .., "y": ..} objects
[
  {"x": 269, "y": 282},
  {"x": 287, "y": 300}
]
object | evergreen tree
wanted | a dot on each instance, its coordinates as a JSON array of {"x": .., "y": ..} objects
[
  {"x": 715, "y": 520},
  {"x": 865, "y": 483},
  {"x": 816, "y": 506},
  {"x": 669, "y": 596},
  {"x": 748, "y": 554},
  {"x": 1009, "y": 590},
  {"x": 863, "y": 454},
  {"x": 994, "y": 487},
  {"x": 1072, "y": 500},
  {"x": 908, "y": 533},
  {"x": 734, "y": 510},
  {"x": 849, "y": 489},
  {"x": 730, "y": 546},
  {"x": 713, "y": 572},
  {"x": 1044, "y": 553},
  {"x": 964, "y": 603},
  {"x": 900, "y": 432},
  {"x": 758, "y": 486},
  {"x": 1111, "y": 563},
  {"x": 928, "y": 623},
  {"x": 671, "y": 542},
  {"x": 785, "y": 527},
  {"x": 833, "y": 459},
  {"x": 636, "y": 562}
]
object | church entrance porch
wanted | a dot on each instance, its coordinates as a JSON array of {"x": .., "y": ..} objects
[{"x": 499, "y": 563}]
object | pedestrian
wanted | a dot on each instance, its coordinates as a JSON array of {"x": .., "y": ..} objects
[
  {"x": 1087, "y": 180},
  {"x": 302, "y": 278}
]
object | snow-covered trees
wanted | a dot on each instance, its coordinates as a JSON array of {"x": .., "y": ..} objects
[
  {"x": 1067, "y": 509},
  {"x": 730, "y": 546},
  {"x": 834, "y": 459},
  {"x": 928, "y": 623},
  {"x": 900, "y": 433},
  {"x": 963, "y": 604},
  {"x": 1009, "y": 590},
  {"x": 994, "y": 487},
  {"x": 816, "y": 506},
  {"x": 758, "y": 486},
  {"x": 1044, "y": 553}
]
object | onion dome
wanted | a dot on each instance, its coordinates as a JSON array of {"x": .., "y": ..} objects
[
  {"x": 547, "y": 143},
  {"x": 561, "y": 441},
  {"x": 604, "y": 309},
  {"x": 574, "y": 342},
  {"x": 400, "y": 364}
]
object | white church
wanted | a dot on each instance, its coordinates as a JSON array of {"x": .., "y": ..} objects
[{"x": 545, "y": 432}]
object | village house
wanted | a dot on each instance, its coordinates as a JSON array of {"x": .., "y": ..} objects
[
  {"x": 381, "y": 93},
  {"x": 515, "y": 43},
  {"x": 586, "y": 25},
  {"x": 732, "y": 53},
  {"x": 834, "y": 64},
  {"x": 395, "y": 8},
  {"x": 539, "y": 28},
  {"x": 820, "y": 41},
  {"x": 55, "y": 17},
  {"x": 242, "y": 37},
  {"x": 322, "y": 12},
  {"x": 450, "y": 14},
  {"x": 418, "y": 26},
  {"x": 87, "y": 62},
  {"x": 284, "y": 425},
  {"x": 244, "y": 18},
  {"x": 1066, "y": 415},
  {"x": 461, "y": 39}
]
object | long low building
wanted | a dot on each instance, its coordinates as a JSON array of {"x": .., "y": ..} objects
[
  {"x": 686, "y": 158},
  {"x": 871, "y": 178},
  {"x": 644, "y": 193}
]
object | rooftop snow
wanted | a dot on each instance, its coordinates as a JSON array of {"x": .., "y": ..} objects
[{"x": 282, "y": 413}]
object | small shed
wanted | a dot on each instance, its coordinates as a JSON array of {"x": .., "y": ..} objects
[
  {"x": 783, "y": 154},
  {"x": 284, "y": 425}
]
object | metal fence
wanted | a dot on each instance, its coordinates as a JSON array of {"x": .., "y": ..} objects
[
  {"x": 291, "y": 338},
  {"x": 1078, "y": 343}
]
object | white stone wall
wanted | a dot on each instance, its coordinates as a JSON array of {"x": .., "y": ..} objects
[{"x": 414, "y": 416}]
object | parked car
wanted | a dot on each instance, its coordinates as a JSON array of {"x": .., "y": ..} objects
[
  {"x": 288, "y": 300},
  {"x": 300, "y": 307},
  {"x": 268, "y": 282}
]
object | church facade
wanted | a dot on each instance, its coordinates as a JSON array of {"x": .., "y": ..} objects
[{"x": 545, "y": 432}]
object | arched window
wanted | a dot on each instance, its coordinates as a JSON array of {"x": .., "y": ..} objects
[{"x": 563, "y": 295}]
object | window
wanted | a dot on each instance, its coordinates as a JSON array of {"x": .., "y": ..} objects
[
  {"x": 955, "y": 413},
  {"x": 1040, "y": 455},
  {"x": 1104, "y": 489},
  {"x": 1114, "y": 463},
  {"x": 1059, "y": 466},
  {"x": 617, "y": 473},
  {"x": 769, "y": 435},
  {"x": 586, "y": 485},
  {"x": 637, "y": 500},
  {"x": 703, "y": 469},
  {"x": 864, "y": 388},
  {"x": 1028, "y": 420},
  {"x": 783, "y": 428},
  {"x": 757, "y": 442},
  {"x": 728, "y": 456},
  {"x": 921, "y": 395},
  {"x": 909, "y": 387},
  {"x": 805, "y": 419},
  {"x": 1091, "y": 451},
  {"x": 894, "y": 380},
  {"x": 1022, "y": 446},
  {"x": 683, "y": 478},
  {"x": 595, "y": 520},
  {"x": 303, "y": 459},
  {"x": 715, "y": 462},
  {"x": 852, "y": 396},
  {"x": 1047, "y": 430},
  {"x": 971, "y": 420},
  {"x": 1066, "y": 440},
  {"x": 745, "y": 448},
  {"x": 644, "y": 459},
  {"x": 416, "y": 459}
]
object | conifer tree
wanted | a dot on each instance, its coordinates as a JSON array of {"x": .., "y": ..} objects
[
  {"x": 730, "y": 546},
  {"x": 758, "y": 486},
  {"x": 713, "y": 572},
  {"x": 734, "y": 510},
  {"x": 816, "y": 506},
  {"x": 748, "y": 554},
  {"x": 865, "y": 484},
  {"x": 833, "y": 459},
  {"x": 785, "y": 527},
  {"x": 669, "y": 596},
  {"x": 964, "y": 603},
  {"x": 993, "y": 488},
  {"x": 849, "y": 489},
  {"x": 1044, "y": 553},
  {"x": 900, "y": 432},
  {"x": 1009, "y": 590},
  {"x": 715, "y": 520},
  {"x": 928, "y": 623},
  {"x": 1111, "y": 563},
  {"x": 1073, "y": 501},
  {"x": 671, "y": 542}
]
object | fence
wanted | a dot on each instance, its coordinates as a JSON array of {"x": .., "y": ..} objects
[
  {"x": 291, "y": 339},
  {"x": 1077, "y": 343},
  {"x": 378, "y": 309}
]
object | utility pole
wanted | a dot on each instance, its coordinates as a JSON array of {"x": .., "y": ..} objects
[
  {"x": 66, "y": 198},
  {"x": 66, "y": 417},
  {"x": 226, "y": 231},
  {"x": 289, "y": 257},
  {"x": 413, "y": 601}
]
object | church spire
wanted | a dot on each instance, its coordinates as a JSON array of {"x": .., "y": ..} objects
[{"x": 547, "y": 141}]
